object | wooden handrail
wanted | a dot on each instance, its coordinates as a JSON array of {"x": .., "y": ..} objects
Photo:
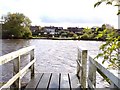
[
  {"x": 96, "y": 66},
  {"x": 18, "y": 74},
  {"x": 8, "y": 57},
  {"x": 88, "y": 79}
]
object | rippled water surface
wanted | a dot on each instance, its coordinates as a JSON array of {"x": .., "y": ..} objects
[{"x": 52, "y": 55}]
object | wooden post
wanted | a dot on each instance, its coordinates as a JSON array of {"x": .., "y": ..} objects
[
  {"x": 32, "y": 67},
  {"x": 78, "y": 66},
  {"x": 84, "y": 68},
  {"x": 16, "y": 69},
  {"x": 92, "y": 73}
]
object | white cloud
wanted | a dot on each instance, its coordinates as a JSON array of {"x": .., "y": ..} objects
[{"x": 65, "y": 10}]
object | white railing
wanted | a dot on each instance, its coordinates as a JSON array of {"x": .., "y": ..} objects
[
  {"x": 18, "y": 74},
  {"x": 88, "y": 79}
]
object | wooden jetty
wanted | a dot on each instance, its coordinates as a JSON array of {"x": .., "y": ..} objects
[{"x": 80, "y": 80}]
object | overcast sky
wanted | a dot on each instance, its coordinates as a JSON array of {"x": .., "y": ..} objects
[{"x": 79, "y": 13}]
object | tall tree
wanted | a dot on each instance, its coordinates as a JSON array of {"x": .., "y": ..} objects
[{"x": 16, "y": 26}]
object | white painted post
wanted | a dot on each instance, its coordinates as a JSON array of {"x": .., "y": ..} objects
[
  {"x": 84, "y": 68},
  {"x": 32, "y": 67},
  {"x": 16, "y": 69}
]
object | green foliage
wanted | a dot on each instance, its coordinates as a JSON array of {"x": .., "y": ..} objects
[
  {"x": 70, "y": 34},
  {"x": 97, "y": 4},
  {"x": 110, "y": 49},
  {"x": 16, "y": 26},
  {"x": 118, "y": 12},
  {"x": 64, "y": 34},
  {"x": 109, "y": 2},
  {"x": 75, "y": 36},
  {"x": 87, "y": 34}
]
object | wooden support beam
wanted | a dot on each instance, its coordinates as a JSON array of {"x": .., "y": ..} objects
[
  {"x": 16, "y": 69},
  {"x": 84, "y": 69},
  {"x": 92, "y": 73},
  {"x": 32, "y": 66}
]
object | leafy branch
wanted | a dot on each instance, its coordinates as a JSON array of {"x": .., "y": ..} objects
[
  {"x": 109, "y": 2},
  {"x": 110, "y": 50}
]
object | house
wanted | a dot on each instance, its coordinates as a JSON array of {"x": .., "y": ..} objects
[
  {"x": 58, "y": 30},
  {"x": 75, "y": 30},
  {"x": 35, "y": 30},
  {"x": 52, "y": 30},
  {"x": 49, "y": 29}
]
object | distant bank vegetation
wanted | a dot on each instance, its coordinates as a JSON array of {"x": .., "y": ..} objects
[{"x": 18, "y": 26}]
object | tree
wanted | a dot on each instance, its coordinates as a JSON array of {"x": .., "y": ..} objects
[
  {"x": 75, "y": 36},
  {"x": 111, "y": 49},
  {"x": 16, "y": 26},
  {"x": 87, "y": 34}
]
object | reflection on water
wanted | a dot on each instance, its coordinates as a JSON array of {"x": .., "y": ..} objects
[{"x": 52, "y": 55}]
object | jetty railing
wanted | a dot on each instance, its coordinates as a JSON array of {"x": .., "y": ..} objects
[
  {"x": 88, "y": 79},
  {"x": 18, "y": 74}
]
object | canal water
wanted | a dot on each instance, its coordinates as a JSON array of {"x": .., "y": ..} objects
[{"x": 57, "y": 56}]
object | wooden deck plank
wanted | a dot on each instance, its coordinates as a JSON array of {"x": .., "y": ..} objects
[
  {"x": 54, "y": 83},
  {"x": 33, "y": 83},
  {"x": 44, "y": 81},
  {"x": 64, "y": 82},
  {"x": 74, "y": 81}
]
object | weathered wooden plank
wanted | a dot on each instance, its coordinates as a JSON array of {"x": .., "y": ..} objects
[
  {"x": 74, "y": 82},
  {"x": 44, "y": 82},
  {"x": 34, "y": 81},
  {"x": 92, "y": 73},
  {"x": 8, "y": 57},
  {"x": 84, "y": 69},
  {"x": 64, "y": 81},
  {"x": 54, "y": 83}
]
